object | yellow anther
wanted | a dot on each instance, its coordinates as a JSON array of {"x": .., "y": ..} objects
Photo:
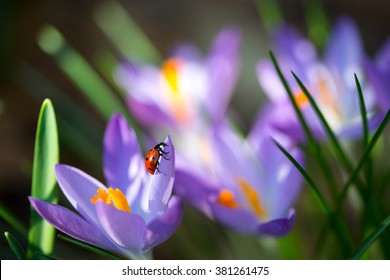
[
  {"x": 226, "y": 198},
  {"x": 253, "y": 198},
  {"x": 115, "y": 196}
]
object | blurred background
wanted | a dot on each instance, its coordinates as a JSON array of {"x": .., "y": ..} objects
[{"x": 32, "y": 69}]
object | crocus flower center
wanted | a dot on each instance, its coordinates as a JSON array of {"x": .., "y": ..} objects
[
  {"x": 301, "y": 99},
  {"x": 326, "y": 97},
  {"x": 111, "y": 196},
  {"x": 171, "y": 70},
  {"x": 226, "y": 198},
  {"x": 252, "y": 198}
]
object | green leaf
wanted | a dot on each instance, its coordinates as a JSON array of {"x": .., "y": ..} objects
[
  {"x": 333, "y": 220},
  {"x": 90, "y": 247},
  {"x": 46, "y": 155},
  {"x": 15, "y": 247},
  {"x": 371, "y": 239},
  {"x": 7, "y": 216}
]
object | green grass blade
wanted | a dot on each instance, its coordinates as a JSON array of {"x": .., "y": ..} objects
[
  {"x": 332, "y": 219},
  {"x": 15, "y": 247},
  {"x": 126, "y": 35},
  {"x": 82, "y": 74},
  {"x": 317, "y": 23},
  {"x": 332, "y": 137},
  {"x": 270, "y": 14},
  {"x": 363, "y": 111},
  {"x": 46, "y": 155},
  {"x": 371, "y": 239},
  {"x": 13, "y": 221},
  {"x": 90, "y": 247}
]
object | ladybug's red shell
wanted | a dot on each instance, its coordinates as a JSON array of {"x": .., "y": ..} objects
[
  {"x": 153, "y": 156},
  {"x": 151, "y": 160}
]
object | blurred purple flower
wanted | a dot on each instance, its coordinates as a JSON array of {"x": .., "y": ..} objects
[
  {"x": 188, "y": 88},
  {"x": 137, "y": 211},
  {"x": 330, "y": 81},
  {"x": 247, "y": 185},
  {"x": 379, "y": 75}
]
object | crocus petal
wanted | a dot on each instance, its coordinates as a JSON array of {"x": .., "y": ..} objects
[
  {"x": 223, "y": 65},
  {"x": 380, "y": 84},
  {"x": 125, "y": 229},
  {"x": 149, "y": 113},
  {"x": 70, "y": 223},
  {"x": 194, "y": 190},
  {"x": 278, "y": 227},
  {"x": 123, "y": 164},
  {"x": 344, "y": 56},
  {"x": 159, "y": 188},
  {"x": 270, "y": 81},
  {"x": 79, "y": 188},
  {"x": 164, "y": 225},
  {"x": 237, "y": 219}
]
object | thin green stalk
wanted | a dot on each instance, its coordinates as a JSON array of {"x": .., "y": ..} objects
[
  {"x": 333, "y": 220},
  {"x": 363, "y": 111},
  {"x": 371, "y": 239}
]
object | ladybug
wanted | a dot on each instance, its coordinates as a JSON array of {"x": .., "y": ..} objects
[{"x": 152, "y": 158}]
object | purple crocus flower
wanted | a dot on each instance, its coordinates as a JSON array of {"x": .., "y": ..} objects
[
  {"x": 378, "y": 72},
  {"x": 187, "y": 89},
  {"x": 330, "y": 81},
  {"x": 246, "y": 184},
  {"x": 131, "y": 216}
]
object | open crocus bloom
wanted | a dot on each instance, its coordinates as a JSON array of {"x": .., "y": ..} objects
[
  {"x": 131, "y": 216},
  {"x": 330, "y": 81},
  {"x": 187, "y": 88},
  {"x": 247, "y": 184}
]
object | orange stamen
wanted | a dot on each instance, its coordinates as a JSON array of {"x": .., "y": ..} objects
[
  {"x": 253, "y": 198},
  {"x": 112, "y": 196},
  {"x": 170, "y": 70},
  {"x": 226, "y": 198},
  {"x": 301, "y": 99}
]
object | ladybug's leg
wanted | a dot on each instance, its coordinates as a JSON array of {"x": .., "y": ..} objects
[
  {"x": 163, "y": 154},
  {"x": 158, "y": 170}
]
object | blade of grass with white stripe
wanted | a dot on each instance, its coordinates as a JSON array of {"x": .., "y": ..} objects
[
  {"x": 333, "y": 220},
  {"x": 371, "y": 239},
  {"x": 313, "y": 144},
  {"x": 15, "y": 247},
  {"x": 13, "y": 221},
  {"x": 46, "y": 155}
]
